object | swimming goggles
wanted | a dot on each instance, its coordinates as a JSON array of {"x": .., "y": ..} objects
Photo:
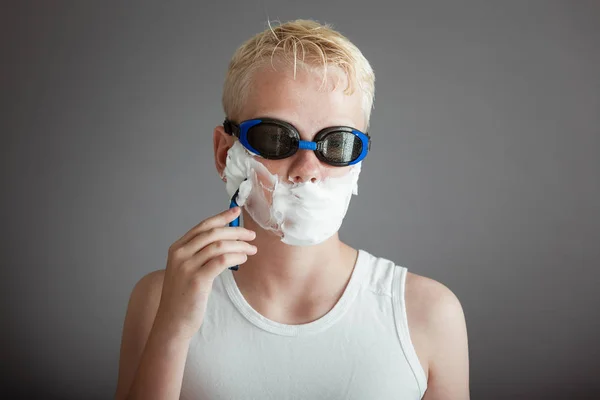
[{"x": 273, "y": 139}]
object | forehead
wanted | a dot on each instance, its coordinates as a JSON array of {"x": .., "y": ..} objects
[{"x": 303, "y": 100}]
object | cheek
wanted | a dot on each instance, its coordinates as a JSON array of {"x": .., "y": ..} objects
[
  {"x": 276, "y": 167},
  {"x": 264, "y": 184},
  {"x": 336, "y": 172}
]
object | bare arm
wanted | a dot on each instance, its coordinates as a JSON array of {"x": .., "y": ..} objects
[
  {"x": 152, "y": 361},
  {"x": 449, "y": 364},
  {"x": 439, "y": 322}
]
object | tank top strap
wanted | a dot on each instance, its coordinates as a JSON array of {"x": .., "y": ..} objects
[
  {"x": 401, "y": 319},
  {"x": 384, "y": 277}
]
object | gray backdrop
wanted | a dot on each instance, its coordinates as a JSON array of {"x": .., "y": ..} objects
[{"x": 483, "y": 172}]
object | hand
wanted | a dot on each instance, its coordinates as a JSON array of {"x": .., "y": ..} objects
[{"x": 194, "y": 261}]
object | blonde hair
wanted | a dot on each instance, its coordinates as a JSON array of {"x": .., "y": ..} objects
[{"x": 301, "y": 42}]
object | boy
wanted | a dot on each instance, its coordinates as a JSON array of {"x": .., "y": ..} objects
[{"x": 304, "y": 316}]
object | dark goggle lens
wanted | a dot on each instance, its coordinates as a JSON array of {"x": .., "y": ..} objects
[
  {"x": 341, "y": 147},
  {"x": 272, "y": 141}
]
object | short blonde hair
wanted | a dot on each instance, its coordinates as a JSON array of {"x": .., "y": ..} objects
[{"x": 301, "y": 42}]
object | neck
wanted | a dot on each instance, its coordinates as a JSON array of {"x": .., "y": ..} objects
[{"x": 284, "y": 273}]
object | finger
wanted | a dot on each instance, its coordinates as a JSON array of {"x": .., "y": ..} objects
[
  {"x": 204, "y": 239},
  {"x": 217, "y": 249},
  {"x": 215, "y": 266},
  {"x": 221, "y": 219}
]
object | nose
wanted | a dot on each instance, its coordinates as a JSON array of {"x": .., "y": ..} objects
[{"x": 305, "y": 167}]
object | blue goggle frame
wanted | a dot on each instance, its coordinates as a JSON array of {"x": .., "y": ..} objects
[{"x": 241, "y": 132}]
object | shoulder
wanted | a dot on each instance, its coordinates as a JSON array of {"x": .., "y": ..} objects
[
  {"x": 150, "y": 283},
  {"x": 145, "y": 298},
  {"x": 433, "y": 302},
  {"x": 438, "y": 331},
  {"x": 145, "y": 295}
]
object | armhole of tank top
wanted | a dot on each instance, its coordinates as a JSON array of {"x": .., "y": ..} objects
[{"x": 401, "y": 319}]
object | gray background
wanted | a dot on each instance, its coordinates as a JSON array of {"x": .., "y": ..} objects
[{"x": 483, "y": 174}]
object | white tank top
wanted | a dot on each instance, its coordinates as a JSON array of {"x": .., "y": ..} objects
[{"x": 361, "y": 349}]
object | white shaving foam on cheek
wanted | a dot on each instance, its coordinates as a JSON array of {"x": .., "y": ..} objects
[{"x": 302, "y": 214}]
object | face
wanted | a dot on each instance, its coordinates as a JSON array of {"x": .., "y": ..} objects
[{"x": 306, "y": 105}]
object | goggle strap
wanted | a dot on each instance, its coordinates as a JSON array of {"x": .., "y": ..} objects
[{"x": 231, "y": 128}]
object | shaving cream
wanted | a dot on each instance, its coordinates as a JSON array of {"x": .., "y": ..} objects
[{"x": 302, "y": 214}]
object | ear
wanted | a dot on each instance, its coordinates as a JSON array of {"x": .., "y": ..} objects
[{"x": 222, "y": 142}]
